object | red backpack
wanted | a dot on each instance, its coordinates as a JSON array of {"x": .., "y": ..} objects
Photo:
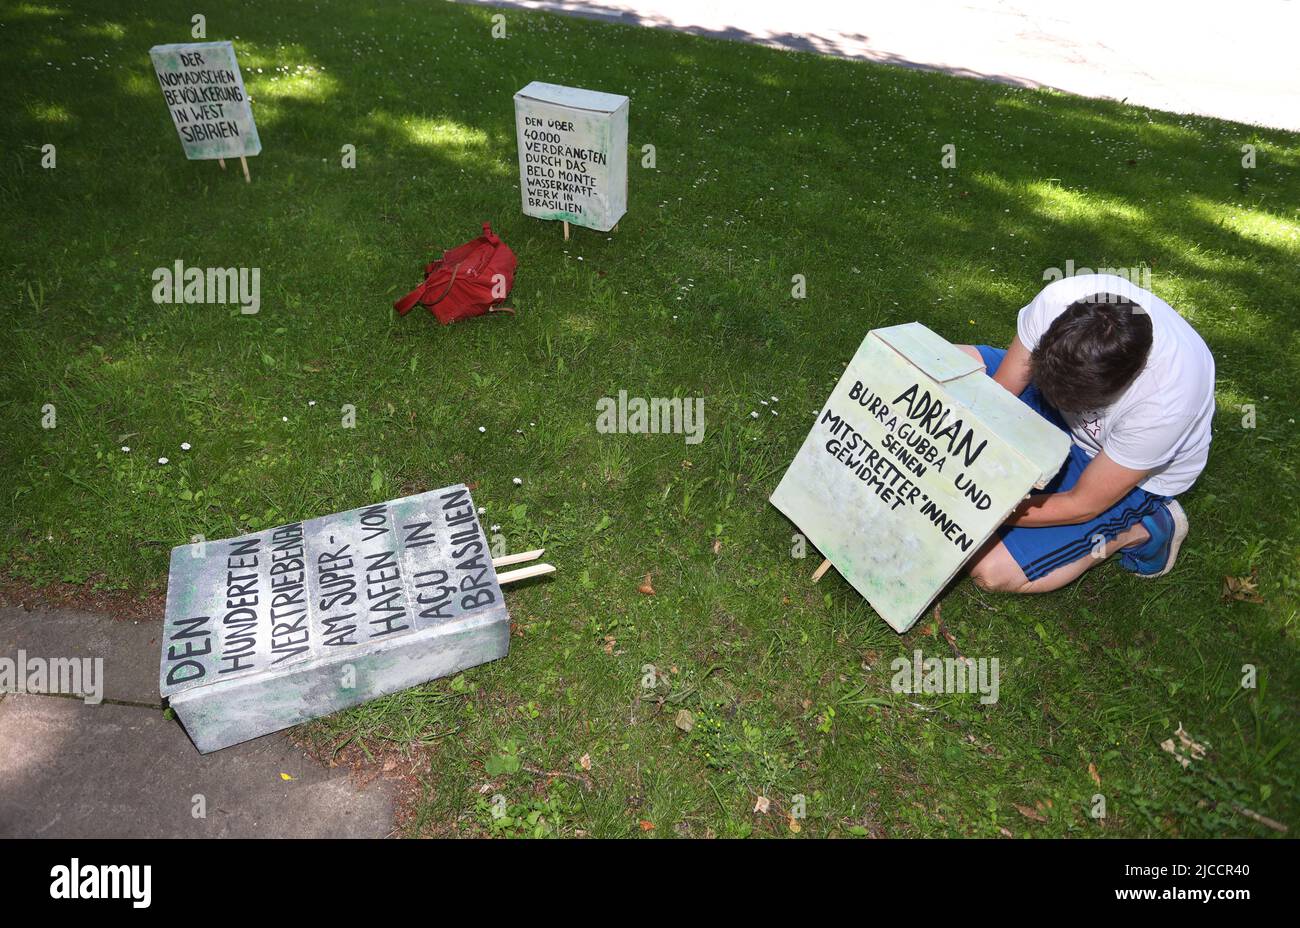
[{"x": 460, "y": 284}]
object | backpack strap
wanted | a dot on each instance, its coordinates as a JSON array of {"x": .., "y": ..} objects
[
  {"x": 403, "y": 306},
  {"x": 451, "y": 283}
]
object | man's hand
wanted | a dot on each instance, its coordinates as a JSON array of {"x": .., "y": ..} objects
[{"x": 1102, "y": 484}]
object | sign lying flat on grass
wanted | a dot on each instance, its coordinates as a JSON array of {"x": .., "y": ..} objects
[
  {"x": 205, "y": 94},
  {"x": 572, "y": 154},
  {"x": 286, "y": 625},
  {"x": 917, "y": 457}
]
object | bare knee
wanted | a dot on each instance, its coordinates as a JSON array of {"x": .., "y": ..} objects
[
  {"x": 997, "y": 571},
  {"x": 994, "y": 582},
  {"x": 972, "y": 351}
]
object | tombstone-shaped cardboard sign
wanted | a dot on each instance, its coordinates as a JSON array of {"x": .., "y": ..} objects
[
  {"x": 293, "y": 623},
  {"x": 917, "y": 457},
  {"x": 205, "y": 94},
  {"x": 572, "y": 154}
]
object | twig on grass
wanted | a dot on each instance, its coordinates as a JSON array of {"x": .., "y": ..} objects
[
  {"x": 1262, "y": 819},
  {"x": 585, "y": 781},
  {"x": 950, "y": 638}
]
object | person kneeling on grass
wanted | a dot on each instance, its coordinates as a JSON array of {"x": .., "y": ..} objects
[{"x": 1132, "y": 383}]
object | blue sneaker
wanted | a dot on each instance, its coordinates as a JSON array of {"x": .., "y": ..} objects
[{"x": 1155, "y": 557}]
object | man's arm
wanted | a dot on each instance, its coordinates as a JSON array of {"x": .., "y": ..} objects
[
  {"x": 1013, "y": 372},
  {"x": 1102, "y": 484}
]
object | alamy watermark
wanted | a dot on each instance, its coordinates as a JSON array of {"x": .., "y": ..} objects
[
  {"x": 1139, "y": 276},
  {"x": 181, "y": 284},
  {"x": 659, "y": 415},
  {"x": 45, "y": 676},
  {"x": 946, "y": 675},
  {"x": 76, "y": 880}
]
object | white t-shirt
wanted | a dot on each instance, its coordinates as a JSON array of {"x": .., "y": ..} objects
[{"x": 1161, "y": 422}]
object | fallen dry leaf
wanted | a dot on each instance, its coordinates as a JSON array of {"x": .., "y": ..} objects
[
  {"x": 1168, "y": 746},
  {"x": 717, "y": 545},
  {"x": 685, "y": 721},
  {"x": 1187, "y": 750},
  {"x": 1242, "y": 589},
  {"x": 646, "y": 586},
  {"x": 1032, "y": 814},
  {"x": 793, "y": 824},
  {"x": 762, "y": 804},
  {"x": 647, "y": 826},
  {"x": 285, "y": 776},
  {"x": 585, "y": 761},
  {"x": 610, "y": 641},
  {"x": 1092, "y": 772}
]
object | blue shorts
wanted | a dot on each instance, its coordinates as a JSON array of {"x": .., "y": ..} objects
[{"x": 1039, "y": 550}]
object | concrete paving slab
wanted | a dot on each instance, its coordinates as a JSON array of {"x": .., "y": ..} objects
[
  {"x": 72, "y": 770},
  {"x": 130, "y": 650},
  {"x": 1234, "y": 61}
]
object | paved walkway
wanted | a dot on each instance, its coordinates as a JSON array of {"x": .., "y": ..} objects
[
  {"x": 1232, "y": 60},
  {"x": 120, "y": 769}
]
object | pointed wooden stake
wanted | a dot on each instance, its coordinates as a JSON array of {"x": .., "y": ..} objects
[
  {"x": 825, "y": 566},
  {"x": 244, "y": 162},
  {"x": 507, "y": 559},
  {"x": 525, "y": 573},
  {"x": 222, "y": 162},
  {"x": 566, "y": 230}
]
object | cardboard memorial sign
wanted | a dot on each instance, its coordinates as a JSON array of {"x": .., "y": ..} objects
[
  {"x": 572, "y": 154},
  {"x": 917, "y": 457},
  {"x": 205, "y": 94},
  {"x": 292, "y": 623}
]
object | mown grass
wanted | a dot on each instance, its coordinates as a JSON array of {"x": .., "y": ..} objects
[{"x": 768, "y": 165}]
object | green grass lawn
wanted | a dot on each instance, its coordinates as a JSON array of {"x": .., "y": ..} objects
[{"x": 769, "y": 164}]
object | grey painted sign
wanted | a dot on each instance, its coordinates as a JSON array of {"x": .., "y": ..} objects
[
  {"x": 572, "y": 154},
  {"x": 205, "y": 95},
  {"x": 286, "y": 625},
  {"x": 913, "y": 463}
]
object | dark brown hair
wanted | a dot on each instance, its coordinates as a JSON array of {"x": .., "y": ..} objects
[{"x": 1091, "y": 352}]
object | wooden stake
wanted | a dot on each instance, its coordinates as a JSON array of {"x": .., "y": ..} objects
[
  {"x": 1262, "y": 819},
  {"x": 525, "y": 573},
  {"x": 507, "y": 559},
  {"x": 566, "y": 230},
  {"x": 244, "y": 161},
  {"x": 825, "y": 566},
  {"x": 222, "y": 162}
]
